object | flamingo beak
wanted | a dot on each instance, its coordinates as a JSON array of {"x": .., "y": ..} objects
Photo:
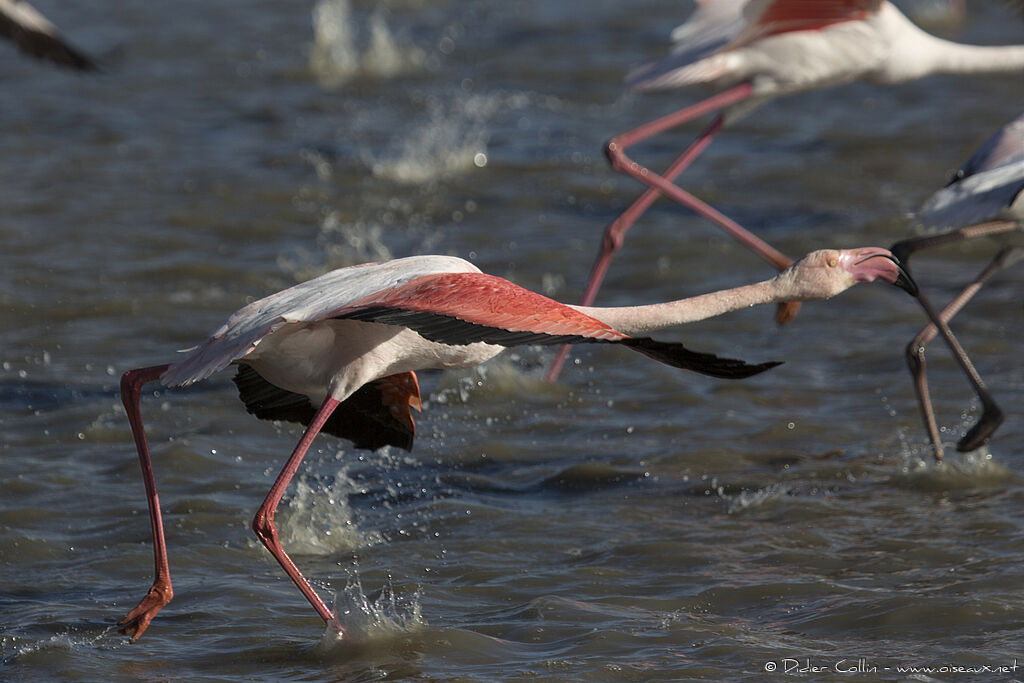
[{"x": 874, "y": 263}]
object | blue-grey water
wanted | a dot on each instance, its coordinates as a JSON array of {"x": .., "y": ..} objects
[{"x": 628, "y": 523}]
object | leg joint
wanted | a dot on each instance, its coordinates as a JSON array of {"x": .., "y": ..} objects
[
  {"x": 263, "y": 527},
  {"x": 915, "y": 356}
]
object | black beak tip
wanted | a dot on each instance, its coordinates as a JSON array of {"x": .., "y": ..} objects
[
  {"x": 903, "y": 280},
  {"x": 906, "y": 283}
]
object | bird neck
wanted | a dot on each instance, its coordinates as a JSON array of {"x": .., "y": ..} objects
[
  {"x": 634, "y": 320},
  {"x": 914, "y": 53},
  {"x": 967, "y": 59}
]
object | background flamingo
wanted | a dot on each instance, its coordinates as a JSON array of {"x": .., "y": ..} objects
[
  {"x": 351, "y": 340},
  {"x": 759, "y": 50},
  {"x": 35, "y": 35},
  {"x": 985, "y": 198}
]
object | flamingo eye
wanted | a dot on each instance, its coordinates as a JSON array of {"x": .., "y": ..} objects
[{"x": 833, "y": 261}]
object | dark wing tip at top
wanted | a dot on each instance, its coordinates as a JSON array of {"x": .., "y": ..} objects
[
  {"x": 35, "y": 36},
  {"x": 679, "y": 356}
]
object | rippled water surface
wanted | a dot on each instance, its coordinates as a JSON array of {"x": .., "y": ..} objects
[{"x": 629, "y": 523}]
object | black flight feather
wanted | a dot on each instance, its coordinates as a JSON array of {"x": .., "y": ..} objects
[
  {"x": 362, "y": 418},
  {"x": 445, "y": 329}
]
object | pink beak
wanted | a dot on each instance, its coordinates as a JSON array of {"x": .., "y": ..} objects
[{"x": 874, "y": 263}]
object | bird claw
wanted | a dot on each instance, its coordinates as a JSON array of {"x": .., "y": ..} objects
[
  {"x": 137, "y": 621},
  {"x": 981, "y": 432}
]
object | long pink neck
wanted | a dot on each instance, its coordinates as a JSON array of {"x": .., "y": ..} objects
[
  {"x": 913, "y": 53},
  {"x": 641, "y": 319},
  {"x": 966, "y": 59}
]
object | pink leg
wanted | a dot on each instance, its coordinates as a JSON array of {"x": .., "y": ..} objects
[
  {"x": 616, "y": 151},
  {"x": 992, "y": 415},
  {"x": 263, "y": 522},
  {"x": 136, "y": 621},
  {"x": 614, "y": 234}
]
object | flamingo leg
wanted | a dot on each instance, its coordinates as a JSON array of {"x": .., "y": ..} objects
[
  {"x": 136, "y": 621},
  {"x": 614, "y": 234},
  {"x": 992, "y": 415},
  {"x": 263, "y": 522},
  {"x": 616, "y": 152}
]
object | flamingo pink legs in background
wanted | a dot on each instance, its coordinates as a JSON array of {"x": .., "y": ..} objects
[
  {"x": 614, "y": 234},
  {"x": 765, "y": 49}
]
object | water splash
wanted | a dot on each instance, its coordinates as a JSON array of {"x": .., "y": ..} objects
[
  {"x": 747, "y": 500},
  {"x": 371, "y": 618},
  {"x": 451, "y": 141},
  {"x": 317, "y": 519},
  {"x": 362, "y": 239},
  {"x": 337, "y": 57},
  {"x": 966, "y": 472},
  {"x": 342, "y": 242},
  {"x": 514, "y": 374}
]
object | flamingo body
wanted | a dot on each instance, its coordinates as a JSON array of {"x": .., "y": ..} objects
[
  {"x": 351, "y": 340},
  {"x": 786, "y": 46},
  {"x": 333, "y": 334}
]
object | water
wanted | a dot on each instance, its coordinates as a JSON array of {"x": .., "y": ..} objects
[{"x": 628, "y": 523}]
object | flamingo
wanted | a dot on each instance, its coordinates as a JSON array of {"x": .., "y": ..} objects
[
  {"x": 35, "y": 35},
  {"x": 351, "y": 340},
  {"x": 985, "y": 198},
  {"x": 757, "y": 50}
]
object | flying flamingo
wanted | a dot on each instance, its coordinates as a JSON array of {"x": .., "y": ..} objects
[
  {"x": 351, "y": 340},
  {"x": 760, "y": 49},
  {"x": 35, "y": 35},
  {"x": 985, "y": 198}
]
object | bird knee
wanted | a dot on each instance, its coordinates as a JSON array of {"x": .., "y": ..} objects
[
  {"x": 915, "y": 356},
  {"x": 612, "y": 240},
  {"x": 613, "y": 151},
  {"x": 263, "y": 527}
]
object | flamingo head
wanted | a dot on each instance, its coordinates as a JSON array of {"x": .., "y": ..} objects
[{"x": 827, "y": 272}]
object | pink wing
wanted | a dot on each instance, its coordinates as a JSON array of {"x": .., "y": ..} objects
[
  {"x": 713, "y": 25},
  {"x": 771, "y": 17},
  {"x": 456, "y": 306},
  {"x": 465, "y": 308}
]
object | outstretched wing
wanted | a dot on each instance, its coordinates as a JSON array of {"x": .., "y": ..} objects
[
  {"x": 977, "y": 198},
  {"x": 713, "y": 25},
  {"x": 308, "y": 301},
  {"x": 720, "y": 26},
  {"x": 771, "y": 17},
  {"x": 1004, "y": 147},
  {"x": 458, "y": 306},
  {"x": 465, "y": 308},
  {"x": 985, "y": 187},
  {"x": 36, "y": 36}
]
